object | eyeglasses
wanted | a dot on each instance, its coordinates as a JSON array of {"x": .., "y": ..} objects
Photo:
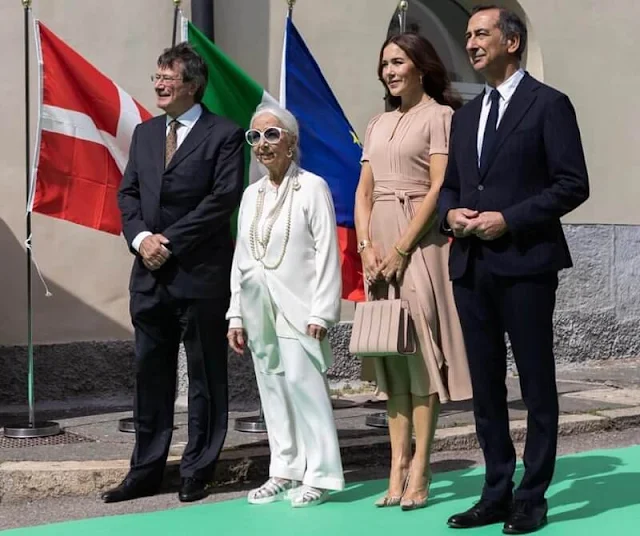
[
  {"x": 271, "y": 135},
  {"x": 155, "y": 78}
]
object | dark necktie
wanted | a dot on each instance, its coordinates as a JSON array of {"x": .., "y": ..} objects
[
  {"x": 171, "y": 143},
  {"x": 490, "y": 130}
]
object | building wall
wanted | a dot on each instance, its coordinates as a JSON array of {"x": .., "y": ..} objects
[
  {"x": 583, "y": 47},
  {"x": 87, "y": 271},
  {"x": 589, "y": 52}
]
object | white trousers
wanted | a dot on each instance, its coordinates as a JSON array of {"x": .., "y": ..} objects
[{"x": 299, "y": 418}]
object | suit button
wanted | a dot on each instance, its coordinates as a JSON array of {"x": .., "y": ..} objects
[{"x": 480, "y": 187}]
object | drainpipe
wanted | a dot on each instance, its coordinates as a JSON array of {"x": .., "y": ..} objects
[{"x": 202, "y": 16}]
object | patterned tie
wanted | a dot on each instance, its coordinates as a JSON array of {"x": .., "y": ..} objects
[
  {"x": 491, "y": 128},
  {"x": 171, "y": 143}
]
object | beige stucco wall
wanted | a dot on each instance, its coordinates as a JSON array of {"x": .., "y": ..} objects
[
  {"x": 584, "y": 47},
  {"x": 86, "y": 270}
]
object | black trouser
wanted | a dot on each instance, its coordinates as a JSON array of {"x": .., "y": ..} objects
[
  {"x": 160, "y": 323},
  {"x": 489, "y": 306}
]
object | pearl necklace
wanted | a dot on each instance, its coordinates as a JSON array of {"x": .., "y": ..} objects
[{"x": 260, "y": 241}]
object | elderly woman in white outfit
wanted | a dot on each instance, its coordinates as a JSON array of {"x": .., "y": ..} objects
[{"x": 285, "y": 293}]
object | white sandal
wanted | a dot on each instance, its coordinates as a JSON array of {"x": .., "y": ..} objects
[
  {"x": 309, "y": 496},
  {"x": 272, "y": 490}
]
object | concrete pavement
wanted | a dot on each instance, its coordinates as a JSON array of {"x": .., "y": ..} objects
[{"x": 93, "y": 454}]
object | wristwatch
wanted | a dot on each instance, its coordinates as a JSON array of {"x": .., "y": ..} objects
[{"x": 362, "y": 245}]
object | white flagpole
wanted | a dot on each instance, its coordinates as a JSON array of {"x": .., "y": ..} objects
[
  {"x": 283, "y": 63},
  {"x": 184, "y": 28}
]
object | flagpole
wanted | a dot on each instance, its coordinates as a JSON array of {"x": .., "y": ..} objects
[
  {"x": 258, "y": 424},
  {"x": 32, "y": 428},
  {"x": 176, "y": 13},
  {"x": 402, "y": 15},
  {"x": 291, "y": 3},
  {"x": 380, "y": 420},
  {"x": 127, "y": 424}
]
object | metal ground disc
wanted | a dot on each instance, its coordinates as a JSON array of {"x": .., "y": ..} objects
[
  {"x": 127, "y": 425},
  {"x": 377, "y": 420},
  {"x": 251, "y": 424},
  {"x": 39, "y": 429}
]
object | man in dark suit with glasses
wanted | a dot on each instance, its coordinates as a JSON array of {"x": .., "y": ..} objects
[{"x": 182, "y": 184}]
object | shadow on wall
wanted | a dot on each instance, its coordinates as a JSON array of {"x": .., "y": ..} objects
[
  {"x": 61, "y": 313},
  {"x": 61, "y": 370}
]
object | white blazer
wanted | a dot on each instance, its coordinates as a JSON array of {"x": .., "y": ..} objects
[{"x": 304, "y": 289}]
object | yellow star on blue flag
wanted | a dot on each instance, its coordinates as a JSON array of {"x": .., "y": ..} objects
[{"x": 356, "y": 140}]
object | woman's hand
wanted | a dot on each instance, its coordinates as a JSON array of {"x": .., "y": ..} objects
[
  {"x": 393, "y": 266},
  {"x": 317, "y": 332},
  {"x": 236, "y": 337},
  {"x": 370, "y": 264}
]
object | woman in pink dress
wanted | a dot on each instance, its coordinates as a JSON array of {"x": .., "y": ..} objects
[{"x": 403, "y": 165}]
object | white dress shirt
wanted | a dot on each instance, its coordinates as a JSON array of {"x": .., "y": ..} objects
[
  {"x": 506, "y": 91},
  {"x": 186, "y": 120}
]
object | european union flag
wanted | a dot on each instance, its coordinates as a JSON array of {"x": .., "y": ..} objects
[{"x": 328, "y": 144}]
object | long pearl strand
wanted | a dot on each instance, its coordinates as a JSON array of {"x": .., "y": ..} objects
[{"x": 261, "y": 241}]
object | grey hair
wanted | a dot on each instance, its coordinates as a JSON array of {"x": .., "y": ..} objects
[
  {"x": 286, "y": 119},
  {"x": 509, "y": 25}
]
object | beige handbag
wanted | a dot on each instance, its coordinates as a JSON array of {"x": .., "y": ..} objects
[{"x": 383, "y": 327}]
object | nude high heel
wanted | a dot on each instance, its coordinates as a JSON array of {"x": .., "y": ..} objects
[
  {"x": 392, "y": 500},
  {"x": 412, "y": 504}
]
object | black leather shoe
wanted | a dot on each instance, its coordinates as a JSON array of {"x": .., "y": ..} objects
[
  {"x": 526, "y": 517},
  {"x": 482, "y": 513},
  {"x": 192, "y": 489},
  {"x": 129, "y": 489}
]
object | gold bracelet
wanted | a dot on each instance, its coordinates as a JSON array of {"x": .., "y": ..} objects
[{"x": 400, "y": 252}]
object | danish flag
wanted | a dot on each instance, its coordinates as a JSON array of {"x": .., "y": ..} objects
[{"x": 86, "y": 122}]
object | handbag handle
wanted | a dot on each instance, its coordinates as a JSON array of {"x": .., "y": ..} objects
[{"x": 393, "y": 290}]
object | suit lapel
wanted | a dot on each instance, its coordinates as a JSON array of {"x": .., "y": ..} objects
[
  {"x": 196, "y": 136},
  {"x": 521, "y": 101}
]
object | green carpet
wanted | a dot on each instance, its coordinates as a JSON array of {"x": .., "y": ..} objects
[{"x": 593, "y": 493}]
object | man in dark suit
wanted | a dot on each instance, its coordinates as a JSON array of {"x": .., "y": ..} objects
[
  {"x": 183, "y": 181},
  {"x": 516, "y": 166}
]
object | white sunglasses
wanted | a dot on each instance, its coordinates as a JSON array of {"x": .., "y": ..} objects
[{"x": 271, "y": 135}]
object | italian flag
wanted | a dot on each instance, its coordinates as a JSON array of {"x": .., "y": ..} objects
[{"x": 231, "y": 92}]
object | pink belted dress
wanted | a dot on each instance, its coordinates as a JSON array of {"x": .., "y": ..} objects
[{"x": 398, "y": 146}]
